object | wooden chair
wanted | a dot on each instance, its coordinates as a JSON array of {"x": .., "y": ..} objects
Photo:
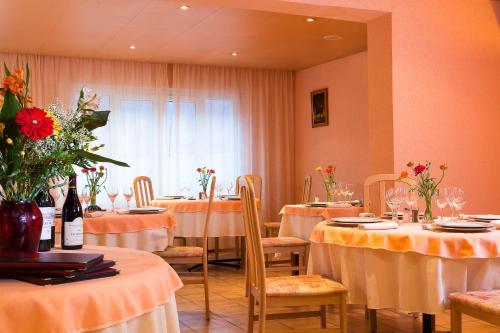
[
  {"x": 271, "y": 228},
  {"x": 483, "y": 305},
  {"x": 143, "y": 189},
  {"x": 284, "y": 291},
  {"x": 256, "y": 180},
  {"x": 381, "y": 180},
  {"x": 189, "y": 255}
]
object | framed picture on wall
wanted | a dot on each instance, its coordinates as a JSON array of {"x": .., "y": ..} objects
[{"x": 319, "y": 107}]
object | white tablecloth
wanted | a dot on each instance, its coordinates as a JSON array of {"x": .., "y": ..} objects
[
  {"x": 298, "y": 226},
  {"x": 146, "y": 240},
  {"x": 163, "y": 319},
  {"x": 407, "y": 281}
]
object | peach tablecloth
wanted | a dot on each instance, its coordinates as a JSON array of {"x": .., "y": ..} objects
[
  {"x": 147, "y": 232},
  {"x": 192, "y": 206},
  {"x": 408, "y": 268},
  {"x": 299, "y": 220},
  {"x": 142, "y": 292},
  {"x": 410, "y": 237}
]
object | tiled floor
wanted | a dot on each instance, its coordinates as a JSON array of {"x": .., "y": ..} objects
[{"x": 229, "y": 311}]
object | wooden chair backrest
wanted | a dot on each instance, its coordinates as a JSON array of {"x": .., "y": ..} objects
[
  {"x": 208, "y": 216},
  {"x": 380, "y": 179},
  {"x": 143, "y": 189},
  {"x": 255, "y": 261},
  {"x": 306, "y": 191},
  {"x": 256, "y": 181}
]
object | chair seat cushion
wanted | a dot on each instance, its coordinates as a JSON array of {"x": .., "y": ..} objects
[
  {"x": 487, "y": 301},
  {"x": 272, "y": 225},
  {"x": 302, "y": 285},
  {"x": 181, "y": 251},
  {"x": 283, "y": 241}
]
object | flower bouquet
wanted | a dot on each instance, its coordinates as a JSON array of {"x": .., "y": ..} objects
[
  {"x": 423, "y": 184},
  {"x": 35, "y": 146},
  {"x": 96, "y": 177},
  {"x": 328, "y": 180},
  {"x": 204, "y": 174}
]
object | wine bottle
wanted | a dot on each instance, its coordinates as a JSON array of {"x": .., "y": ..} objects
[
  {"x": 47, "y": 206},
  {"x": 72, "y": 219}
]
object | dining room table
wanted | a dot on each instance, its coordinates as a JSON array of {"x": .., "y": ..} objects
[
  {"x": 300, "y": 220},
  {"x": 150, "y": 232},
  {"x": 406, "y": 268},
  {"x": 141, "y": 298},
  {"x": 226, "y": 223}
]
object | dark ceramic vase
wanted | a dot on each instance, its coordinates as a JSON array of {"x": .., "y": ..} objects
[{"x": 20, "y": 226}]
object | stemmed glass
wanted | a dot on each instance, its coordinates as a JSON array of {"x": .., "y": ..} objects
[
  {"x": 128, "y": 193},
  {"x": 188, "y": 187},
  {"x": 229, "y": 187},
  {"x": 441, "y": 202},
  {"x": 349, "y": 188},
  {"x": 449, "y": 194},
  {"x": 393, "y": 197},
  {"x": 410, "y": 197},
  {"x": 219, "y": 186},
  {"x": 459, "y": 201},
  {"x": 112, "y": 192},
  {"x": 337, "y": 190}
]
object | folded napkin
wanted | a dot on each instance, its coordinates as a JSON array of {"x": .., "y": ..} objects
[{"x": 378, "y": 226}]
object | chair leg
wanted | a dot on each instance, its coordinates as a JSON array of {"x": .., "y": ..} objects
[
  {"x": 343, "y": 314},
  {"x": 237, "y": 248},
  {"x": 456, "y": 320},
  {"x": 216, "y": 248},
  {"x": 323, "y": 316},
  {"x": 205, "y": 284},
  {"x": 251, "y": 305},
  {"x": 372, "y": 315},
  {"x": 262, "y": 317}
]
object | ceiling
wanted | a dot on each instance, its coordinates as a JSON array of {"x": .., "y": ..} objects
[{"x": 204, "y": 34}]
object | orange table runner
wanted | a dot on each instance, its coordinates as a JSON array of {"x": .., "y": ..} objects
[
  {"x": 192, "y": 206},
  {"x": 113, "y": 223},
  {"x": 145, "y": 282},
  {"x": 411, "y": 237},
  {"x": 326, "y": 213}
]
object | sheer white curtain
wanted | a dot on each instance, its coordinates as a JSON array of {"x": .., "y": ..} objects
[{"x": 167, "y": 120}]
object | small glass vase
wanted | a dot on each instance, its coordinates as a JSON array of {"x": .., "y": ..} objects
[
  {"x": 20, "y": 226},
  {"x": 428, "y": 218},
  {"x": 329, "y": 193},
  {"x": 93, "y": 202}
]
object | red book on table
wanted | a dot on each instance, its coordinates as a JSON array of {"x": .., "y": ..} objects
[{"x": 50, "y": 260}]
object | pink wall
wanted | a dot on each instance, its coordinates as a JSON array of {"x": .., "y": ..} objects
[
  {"x": 344, "y": 142},
  {"x": 445, "y": 83}
]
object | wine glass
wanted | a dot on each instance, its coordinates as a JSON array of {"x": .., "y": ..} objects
[
  {"x": 337, "y": 190},
  {"x": 345, "y": 191},
  {"x": 128, "y": 193},
  {"x": 55, "y": 193},
  {"x": 188, "y": 186},
  {"x": 449, "y": 193},
  {"x": 84, "y": 197},
  {"x": 350, "y": 191},
  {"x": 112, "y": 192},
  {"x": 458, "y": 201},
  {"x": 410, "y": 197},
  {"x": 393, "y": 197},
  {"x": 441, "y": 202},
  {"x": 219, "y": 186},
  {"x": 229, "y": 187}
]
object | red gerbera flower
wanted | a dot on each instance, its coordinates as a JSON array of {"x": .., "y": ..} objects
[{"x": 34, "y": 123}]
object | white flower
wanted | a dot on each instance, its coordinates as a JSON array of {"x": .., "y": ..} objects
[{"x": 89, "y": 100}]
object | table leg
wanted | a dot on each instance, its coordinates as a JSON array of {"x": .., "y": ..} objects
[
  {"x": 372, "y": 318},
  {"x": 295, "y": 261},
  {"x": 428, "y": 323}
]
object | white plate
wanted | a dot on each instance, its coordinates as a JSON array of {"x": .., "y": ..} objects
[
  {"x": 355, "y": 220},
  {"x": 487, "y": 217},
  {"x": 146, "y": 210},
  {"x": 463, "y": 225}
]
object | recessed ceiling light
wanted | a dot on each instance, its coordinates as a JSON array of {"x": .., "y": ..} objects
[
  {"x": 332, "y": 37},
  {"x": 234, "y": 54},
  {"x": 184, "y": 7},
  {"x": 310, "y": 19},
  {"x": 132, "y": 47}
]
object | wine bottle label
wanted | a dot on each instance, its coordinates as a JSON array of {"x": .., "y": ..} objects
[
  {"x": 49, "y": 215},
  {"x": 73, "y": 232}
]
